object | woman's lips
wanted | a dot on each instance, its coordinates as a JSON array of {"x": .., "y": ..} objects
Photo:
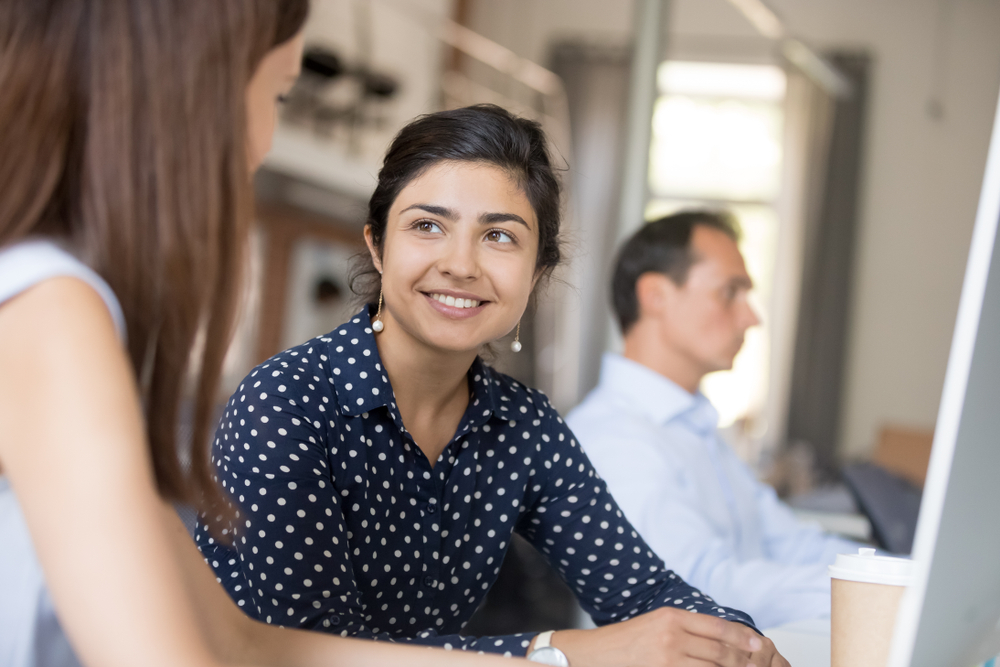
[
  {"x": 457, "y": 302},
  {"x": 458, "y": 308}
]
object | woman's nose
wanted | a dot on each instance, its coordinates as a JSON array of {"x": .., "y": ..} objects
[{"x": 460, "y": 259}]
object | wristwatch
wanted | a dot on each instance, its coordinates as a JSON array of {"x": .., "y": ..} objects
[{"x": 547, "y": 654}]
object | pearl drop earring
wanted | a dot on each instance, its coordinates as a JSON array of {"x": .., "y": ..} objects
[
  {"x": 377, "y": 325},
  {"x": 515, "y": 345}
]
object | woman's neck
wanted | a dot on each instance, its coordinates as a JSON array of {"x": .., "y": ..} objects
[{"x": 430, "y": 386}]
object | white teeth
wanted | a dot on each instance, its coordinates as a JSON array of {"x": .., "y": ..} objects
[{"x": 455, "y": 303}]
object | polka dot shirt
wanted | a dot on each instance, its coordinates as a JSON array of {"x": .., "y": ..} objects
[{"x": 343, "y": 525}]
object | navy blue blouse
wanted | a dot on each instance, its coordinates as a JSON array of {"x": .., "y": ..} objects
[{"x": 344, "y": 526}]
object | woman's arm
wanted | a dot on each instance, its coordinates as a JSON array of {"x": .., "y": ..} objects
[
  {"x": 129, "y": 585},
  {"x": 72, "y": 447},
  {"x": 240, "y": 640},
  {"x": 645, "y": 609}
]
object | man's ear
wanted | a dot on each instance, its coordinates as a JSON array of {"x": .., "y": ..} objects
[
  {"x": 372, "y": 250},
  {"x": 651, "y": 293}
]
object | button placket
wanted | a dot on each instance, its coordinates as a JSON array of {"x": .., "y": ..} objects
[
  {"x": 427, "y": 494},
  {"x": 432, "y": 529}
]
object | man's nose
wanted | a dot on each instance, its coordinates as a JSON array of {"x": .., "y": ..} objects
[{"x": 750, "y": 318}]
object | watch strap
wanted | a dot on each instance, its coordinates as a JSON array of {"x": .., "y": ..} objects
[
  {"x": 545, "y": 653},
  {"x": 543, "y": 639}
]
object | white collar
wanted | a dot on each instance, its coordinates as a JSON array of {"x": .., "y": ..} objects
[{"x": 660, "y": 398}]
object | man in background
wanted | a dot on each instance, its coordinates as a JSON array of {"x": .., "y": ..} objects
[{"x": 680, "y": 291}]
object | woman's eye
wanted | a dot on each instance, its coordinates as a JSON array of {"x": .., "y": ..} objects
[
  {"x": 499, "y": 236},
  {"x": 428, "y": 227}
]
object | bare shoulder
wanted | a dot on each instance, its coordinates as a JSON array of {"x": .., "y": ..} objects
[
  {"x": 54, "y": 308},
  {"x": 59, "y": 352},
  {"x": 59, "y": 327}
]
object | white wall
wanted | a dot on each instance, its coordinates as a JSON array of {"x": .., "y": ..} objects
[
  {"x": 527, "y": 27},
  {"x": 921, "y": 175},
  {"x": 402, "y": 43},
  {"x": 921, "y": 184}
]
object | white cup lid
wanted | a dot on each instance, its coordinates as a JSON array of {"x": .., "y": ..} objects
[{"x": 868, "y": 568}]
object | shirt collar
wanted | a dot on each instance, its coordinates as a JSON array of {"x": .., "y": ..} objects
[
  {"x": 359, "y": 380},
  {"x": 361, "y": 384},
  {"x": 503, "y": 398},
  {"x": 661, "y": 399}
]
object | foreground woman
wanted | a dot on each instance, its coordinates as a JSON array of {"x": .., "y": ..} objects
[
  {"x": 129, "y": 130},
  {"x": 381, "y": 469}
]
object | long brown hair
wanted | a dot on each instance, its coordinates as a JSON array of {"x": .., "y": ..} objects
[{"x": 123, "y": 131}]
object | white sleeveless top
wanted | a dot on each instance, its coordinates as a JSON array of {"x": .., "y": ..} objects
[{"x": 30, "y": 634}]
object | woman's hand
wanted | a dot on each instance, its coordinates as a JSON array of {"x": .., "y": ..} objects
[
  {"x": 768, "y": 656},
  {"x": 668, "y": 637}
]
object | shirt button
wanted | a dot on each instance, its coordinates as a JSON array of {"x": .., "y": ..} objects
[
  {"x": 429, "y": 581},
  {"x": 335, "y": 620},
  {"x": 431, "y": 508}
]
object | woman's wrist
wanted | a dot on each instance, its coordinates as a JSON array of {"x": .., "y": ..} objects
[
  {"x": 542, "y": 649},
  {"x": 573, "y": 644}
]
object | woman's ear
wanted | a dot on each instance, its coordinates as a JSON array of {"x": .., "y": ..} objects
[
  {"x": 372, "y": 250},
  {"x": 538, "y": 276}
]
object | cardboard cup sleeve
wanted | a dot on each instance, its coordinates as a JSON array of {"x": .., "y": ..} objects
[{"x": 865, "y": 594}]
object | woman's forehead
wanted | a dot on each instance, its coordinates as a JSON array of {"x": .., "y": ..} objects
[{"x": 466, "y": 188}]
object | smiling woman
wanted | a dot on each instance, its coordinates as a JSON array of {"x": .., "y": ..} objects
[
  {"x": 380, "y": 477},
  {"x": 458, "y": 259}
]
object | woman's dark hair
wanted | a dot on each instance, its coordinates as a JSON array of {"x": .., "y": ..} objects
[
  {"x": 662, "y": 246},
  {"x": 124, "y": 133},
  {"x": 484, "y": 133}
]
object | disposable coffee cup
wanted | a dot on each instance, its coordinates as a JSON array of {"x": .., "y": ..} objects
[{"x": 865, "y": 594}]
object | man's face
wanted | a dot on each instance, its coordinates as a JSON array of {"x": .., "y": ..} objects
[{"x": 704, "y": 320}]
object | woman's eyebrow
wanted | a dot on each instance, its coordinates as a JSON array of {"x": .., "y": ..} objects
[
  {"x": 493, "y": 218},
  {"x": 441, "y": 211}
]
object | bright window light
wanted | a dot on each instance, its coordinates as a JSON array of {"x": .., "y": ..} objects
[
  {"x": 717, "y": 143},
  {"x": 716, "y": 148},
  {"x": 747, "y": 82}
]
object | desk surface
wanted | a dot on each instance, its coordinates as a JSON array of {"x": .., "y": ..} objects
[{"x": 803, "y": 643}]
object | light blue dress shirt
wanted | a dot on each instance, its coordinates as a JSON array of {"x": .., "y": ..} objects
[{"x": 696, "y": 503}]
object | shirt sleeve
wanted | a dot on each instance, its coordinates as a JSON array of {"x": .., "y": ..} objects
[
  {"x": 290, "y": 542},
  {"x": 794, "y": 542},
  {"x": 289, "y": 535},
  {"x": 654, "y": 496},
  {"x": 576, "y": 524}
]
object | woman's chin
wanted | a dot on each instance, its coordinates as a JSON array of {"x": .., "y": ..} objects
[
  {"x": 458, "y": 348},
  {"x": 459, "y": 338},
  {"x": 459, "y": 344}
]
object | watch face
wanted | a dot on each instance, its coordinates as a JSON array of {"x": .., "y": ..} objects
[{"x": 549, "y": 655}]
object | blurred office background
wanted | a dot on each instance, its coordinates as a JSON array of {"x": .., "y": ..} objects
[{"x": 848, "y": 136}]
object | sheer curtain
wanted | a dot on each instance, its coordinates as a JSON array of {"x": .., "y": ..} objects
[{"x": 596, "y": 79}]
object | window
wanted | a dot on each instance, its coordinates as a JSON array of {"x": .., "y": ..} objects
[{"x": 717, "y": 143}]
